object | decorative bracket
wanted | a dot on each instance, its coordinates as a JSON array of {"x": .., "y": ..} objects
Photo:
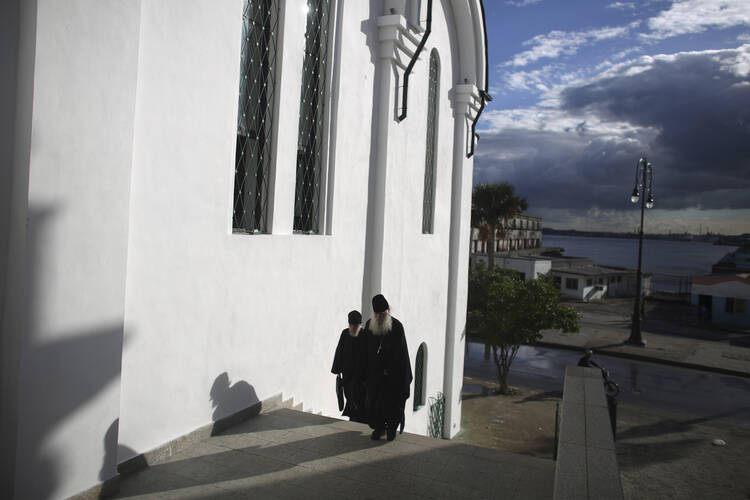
[
  {"x": 468, "y": 101},
  {"x": 399, "y": 44}
]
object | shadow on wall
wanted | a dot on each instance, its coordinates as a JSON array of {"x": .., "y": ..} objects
[
  {"x": 60, "y": 372},
  {"x": 235, "y": 404},
  {"x": 228, "y": 399},
  {"x": 112, "y": 449}
]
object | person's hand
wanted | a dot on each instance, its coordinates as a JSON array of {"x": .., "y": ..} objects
[{"x": 385, "y": 372}]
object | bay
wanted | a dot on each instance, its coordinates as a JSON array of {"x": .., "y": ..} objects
[{"x": 677, "y": 258}]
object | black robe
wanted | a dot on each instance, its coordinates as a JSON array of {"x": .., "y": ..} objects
[
  {"x": 349, "y": 361},
  {"x": 387, "y": 394}
]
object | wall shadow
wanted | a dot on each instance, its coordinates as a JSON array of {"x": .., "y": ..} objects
[
  {"x": 227, "y": 398},
  {"x": 237, "y": 410},
  {"x": 59, "y": 373},
  {"x": 113, "y": 449}
]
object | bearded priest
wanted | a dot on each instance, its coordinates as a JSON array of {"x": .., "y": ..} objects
[{"x": 389, "y": 372}]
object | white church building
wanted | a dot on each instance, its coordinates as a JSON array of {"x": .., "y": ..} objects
[{"x": 195, "y": 193}]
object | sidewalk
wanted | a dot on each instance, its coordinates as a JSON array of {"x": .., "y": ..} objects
[
  {"x": 289, "y": 454},
  {"x": 606, "y": 334}
]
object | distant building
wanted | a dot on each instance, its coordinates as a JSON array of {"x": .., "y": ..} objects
[
  {"x": 734, "y": 262},
  {"x": 527, "y": 266},
  {"x": 576, "y": 277},
  {"x": 521, "y": 232},
  {"x": 591, "y": 282},
  {"x": 722, "y": 299}
]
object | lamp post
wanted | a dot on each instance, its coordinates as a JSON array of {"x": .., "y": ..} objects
[{"x": 643, "y": 191}]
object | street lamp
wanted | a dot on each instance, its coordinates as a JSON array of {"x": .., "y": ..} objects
[{"x": 643, "y": 191}]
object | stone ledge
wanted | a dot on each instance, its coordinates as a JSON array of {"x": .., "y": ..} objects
[{"x": 586, "y": 457}]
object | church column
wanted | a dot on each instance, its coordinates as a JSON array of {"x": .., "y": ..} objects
[
  {"x": 389, "y": 30},
  {"x": 465, "y": 106}
]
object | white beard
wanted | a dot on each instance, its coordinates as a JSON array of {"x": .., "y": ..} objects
[
  {"x": 354, "y": 333},
  {"x": 382, "y": 326}
]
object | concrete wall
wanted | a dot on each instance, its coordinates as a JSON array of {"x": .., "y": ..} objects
[{"x": 75, "y": 243}]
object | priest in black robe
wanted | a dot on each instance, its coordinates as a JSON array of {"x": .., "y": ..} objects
[
  {"x": 389, "y": 372},
  {"x": 349, "y": 362}
]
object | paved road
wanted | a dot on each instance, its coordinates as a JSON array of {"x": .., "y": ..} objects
[{"x": 693, "y": 393}]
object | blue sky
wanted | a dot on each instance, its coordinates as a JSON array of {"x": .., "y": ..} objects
[{"x": 582, "y": 88}]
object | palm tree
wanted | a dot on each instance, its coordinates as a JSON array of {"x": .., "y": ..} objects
[{"x": 491, "y": 206}]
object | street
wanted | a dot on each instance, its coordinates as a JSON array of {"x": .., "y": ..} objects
[{"x": 690, "y": 393}]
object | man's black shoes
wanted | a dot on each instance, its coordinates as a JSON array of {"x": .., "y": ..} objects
[
  {"x": 391, "y": 434},
  {"x": 377, "y": 434}
]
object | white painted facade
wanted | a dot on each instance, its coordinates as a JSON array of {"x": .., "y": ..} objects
[
  {"x": 595, "y": 282},
  {"x": 126, "y": 294},
  {"x": 530, "y": 267}
]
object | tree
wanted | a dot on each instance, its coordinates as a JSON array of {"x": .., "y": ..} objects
[
  {"x": 491, "y": 206},
  {"x": 506, "y": 312}
]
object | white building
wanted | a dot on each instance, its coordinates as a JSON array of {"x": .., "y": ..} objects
[
  {"x": 590, "y": 282},
  {"x": 528, "y": 267},
  {"x": 152, "y": 283},
  {"x": 723, "y": 298}
]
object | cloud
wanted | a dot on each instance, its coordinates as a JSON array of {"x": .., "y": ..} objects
[
  {"x": 577, "y": 149},
  {"x": 522, "y": 3},
  {"x": 621, "y": 5},
  {"x": 696, "y": 16},
  {"x": 556, "y": 42}
]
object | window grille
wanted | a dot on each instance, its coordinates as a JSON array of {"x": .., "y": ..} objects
[
  {"x": 311, "y": 119},
  {"x": 255, "y": 115},
  {"x": 420, "y": 371},
  {"x": 428, "y": 205}
]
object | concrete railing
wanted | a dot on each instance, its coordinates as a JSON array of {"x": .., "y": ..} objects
[{"x": 586, "y": 457}]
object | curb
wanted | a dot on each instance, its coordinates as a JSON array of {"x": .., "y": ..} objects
[{"x": 650, "y": 359}]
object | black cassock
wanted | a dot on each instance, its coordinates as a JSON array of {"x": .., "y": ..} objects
[
  {"x": 349, "y": 361},
  {"x": 387, "y": 394}
]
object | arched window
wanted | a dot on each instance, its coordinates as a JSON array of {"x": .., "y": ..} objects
[
  {"x": 428, "y": 205},
  {"x": 311, "y": 119},
  {"x": 420, "y": 376},
  {"x": 255, "y": 116}
]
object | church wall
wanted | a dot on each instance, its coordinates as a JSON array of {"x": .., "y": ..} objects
[
  {"x": 73, "y": 140},
  {"x": 415, "y": 265},
  {"x": 264, "y": 309}
]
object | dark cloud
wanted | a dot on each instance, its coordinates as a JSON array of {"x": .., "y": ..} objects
[{"x": 690, "y": 113}]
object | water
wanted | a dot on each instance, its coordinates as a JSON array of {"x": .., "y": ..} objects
[{"x": 677, "y": 258}]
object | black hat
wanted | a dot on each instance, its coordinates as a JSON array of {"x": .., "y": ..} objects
[
  {"x": 379, "y": 304},
  {"x": 355, "y": 318}
]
